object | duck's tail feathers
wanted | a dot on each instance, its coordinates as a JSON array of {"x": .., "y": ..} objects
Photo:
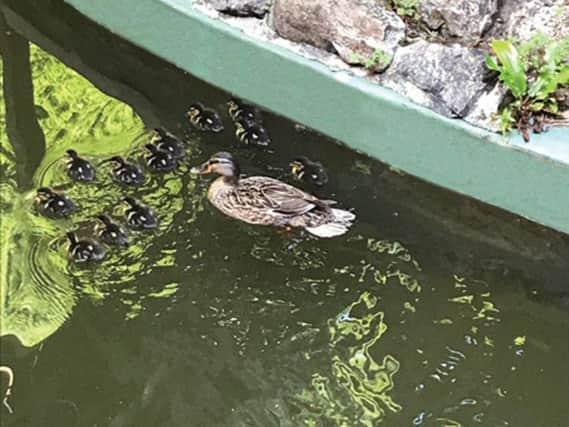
[{"x": 336, "y": 227}]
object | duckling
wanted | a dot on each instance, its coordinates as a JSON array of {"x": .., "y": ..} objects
[
  {"x": 78, "y": 168},
  {"x": 252, "y": 135},
  {"x": 160, "y": 161},
  {"x": 168, "y": 143},
  {"x": 204, "y": 119},
  {"x": 311, "y": 172},
  {"x": 111, "y": 233},
  {"x": 241, "y": 112},
  {"x": 52, "y": 204},
  {"x": 139, "y": 216},
  {"x": 85, "y": 250},
  {"x": 268, "y": 201},
  {"x": 125, "y": 172}
]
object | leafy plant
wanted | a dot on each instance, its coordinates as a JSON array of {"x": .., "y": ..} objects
[
  {"x": 405, "y": 7},
  {"x": 532, "y": 72},
  {"x": 378, "y": 60}
]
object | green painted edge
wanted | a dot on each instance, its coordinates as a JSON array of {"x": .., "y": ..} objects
[{"x": 363, "y": 115}]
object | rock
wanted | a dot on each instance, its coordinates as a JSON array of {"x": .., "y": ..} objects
[
  {"x": 449, "y": 78},
  {"x": 483, "y": 112},
  {"x": 357, "y": 30},
  {"x": 523, "y": 18},
  {"x": 466, "y": 20},
  {"x": 257, "y": 8}
]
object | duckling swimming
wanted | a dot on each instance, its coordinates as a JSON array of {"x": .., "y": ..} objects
[
  {"x": 111, "y": 233},
  {"x": 85, "y": 250},
  {"x": 252, "y": 135},
  {"x": 125, "y": 172},
  {"x": 78, "y": 168},
  {"x": 160, "y": 161},
  {"x": 268, "y": 201},
  {"x": 139, "y": 216},
  {"x": 241, "y": 112},
  {"x": 168, "y": 143},
  {"x": 52, "y": 204},
  {"x": 204, "y": 119},
  {"x": 311, "y": 172}
]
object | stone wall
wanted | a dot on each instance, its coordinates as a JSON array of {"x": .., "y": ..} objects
[{"x": 434, "y": 55}]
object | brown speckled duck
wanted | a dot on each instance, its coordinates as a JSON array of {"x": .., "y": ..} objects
[{"x": 268, "y": 201}]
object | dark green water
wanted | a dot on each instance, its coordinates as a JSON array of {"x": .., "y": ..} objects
[{"x": 431, "y": 311}]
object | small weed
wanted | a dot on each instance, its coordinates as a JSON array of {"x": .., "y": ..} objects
[
  {"x": 379, "y": 59},
  {"x": 532, "y": 72},
  {"x": 405, "y": 7}
]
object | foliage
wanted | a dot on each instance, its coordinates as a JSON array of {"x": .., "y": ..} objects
[
  {"x": 378, "y": 60},
  {"x": 405, "y": 7},
  {"x": 532, "y": 72}
]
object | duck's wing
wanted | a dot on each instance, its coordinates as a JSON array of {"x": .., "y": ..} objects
[{"x": 274, "y": 195}]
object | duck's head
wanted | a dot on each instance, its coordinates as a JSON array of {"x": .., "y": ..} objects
[
  {"x": 233, "y": 104},
  {"x": 298, "y": 166},
  {"x": 72, "y": 154},
  {"x": 130, "y": 201},
  {"x": 72, "y": 237},
  {"x": 195, "y": 110},
  {"x": 105, "y": 219},
  {"x": 118, "y": 160},
  {"x": 44, "y": 192},
  {"x": 305, "y": 169},
  {"x": 152, "y": 148},
  {"x": 221, "y": 163}
]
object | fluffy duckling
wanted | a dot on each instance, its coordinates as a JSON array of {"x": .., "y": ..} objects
[
  {"x": 110, "y": 232},
  {"x": 309, "y": 171},
  {"x": 125, "y": 172},
  {"x": 241, "y": 112},
  {"x": 268, "y": 201},
  {"x": 139, "y": 216},
  {"x": 78, "y": 168},
  {"x": 204, "y": 119},
  {"x": 252, "y": 135},
  {"x": 160, "y": 161},
  {"x": 52, "y": 204},
  {"x": 168, "y": 143},
  {"x": 85, "y": 250}
]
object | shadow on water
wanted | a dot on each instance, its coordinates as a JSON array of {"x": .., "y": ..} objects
[{"x": 433, "y": 310}]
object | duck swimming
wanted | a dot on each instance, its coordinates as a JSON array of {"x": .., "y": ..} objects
[
  {"x": 241, "y": 112},
  {"x": 111, "y": 233},
  {"x": 85, "y": 250},
  {"x": 204, "y": 119},
  {"x": 252, "y": 135},
  {"x": 125, "y": 172},
  {"x": 52, "y": 204},
  {"x": 139, "y": 216},
  {"x": 78, "y": 168},
  {"x": 168, "y": 143},
  {"x": 268, "y": 201},
  {"x": 311, "y": 172},
  {"x": 160, "y": 161}
]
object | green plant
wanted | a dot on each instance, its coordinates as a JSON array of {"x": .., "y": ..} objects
[
  {"x": 405, "y": 7},
  {"x": 379, "y": 59},
  {"x": 532, "y": 72}
]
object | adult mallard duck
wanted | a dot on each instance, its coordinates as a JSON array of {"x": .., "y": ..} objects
[{"x": 268, "y": 201}]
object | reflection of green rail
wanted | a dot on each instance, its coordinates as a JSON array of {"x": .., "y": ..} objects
[{"x": 363, "y": 115}]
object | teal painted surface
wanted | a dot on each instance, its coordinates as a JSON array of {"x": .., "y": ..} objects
[{"x": 363, "y": 115}]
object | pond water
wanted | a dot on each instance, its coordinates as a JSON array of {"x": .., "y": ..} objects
[{"x": 431, "y": 311}]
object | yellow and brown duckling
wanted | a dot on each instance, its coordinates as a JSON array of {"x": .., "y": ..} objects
[
  {"x": 139, "y": 216},
  {"x": 110, "y": 232},
  {"x": 309, "y": 171},
  {"x": 168, "y": 143},
  {"x": 255, "y": 135},
  {"x": 125, "y": 172},
  {"x": 268, "y": 201},
  {"x": 78, "y": 168},
  {"x": 85, "y": 250},
  {"x": 53, "y": 204},
  {"x": 204, "y": 119},
  {"x": 160, "y": 161},
  {"x": 241, "y": 112}
]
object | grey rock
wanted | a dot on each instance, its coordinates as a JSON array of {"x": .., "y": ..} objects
[
  {"x": 257, "y": 8},
  {"x": 355, "y": 29},
  {"x": 445, "y": 78},
  {"x": 465, "y": 20},
  {"x": 524, "y": 18}
]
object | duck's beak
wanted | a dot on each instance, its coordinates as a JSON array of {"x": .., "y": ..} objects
[{"x": 204, "y": 169}]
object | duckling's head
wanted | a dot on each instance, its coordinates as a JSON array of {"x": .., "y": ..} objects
[
  {"x": 305, "y": 169},
  {"x": 130, "y": 201},
  {"x": 105, "y": 219},
  {"x": 298, "y": 166},
  {"x": 72, "y": 153},
  {"x": 233, "y": 104},
  {"x": 152, "y": 148},
  {"x": 72, "y": 237},
  {"x": 221, "y": 163},
  {"x": 44, "y": 192},
  {"x": 195, "y": 109},
  {"x": 117, "y": 160}
]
